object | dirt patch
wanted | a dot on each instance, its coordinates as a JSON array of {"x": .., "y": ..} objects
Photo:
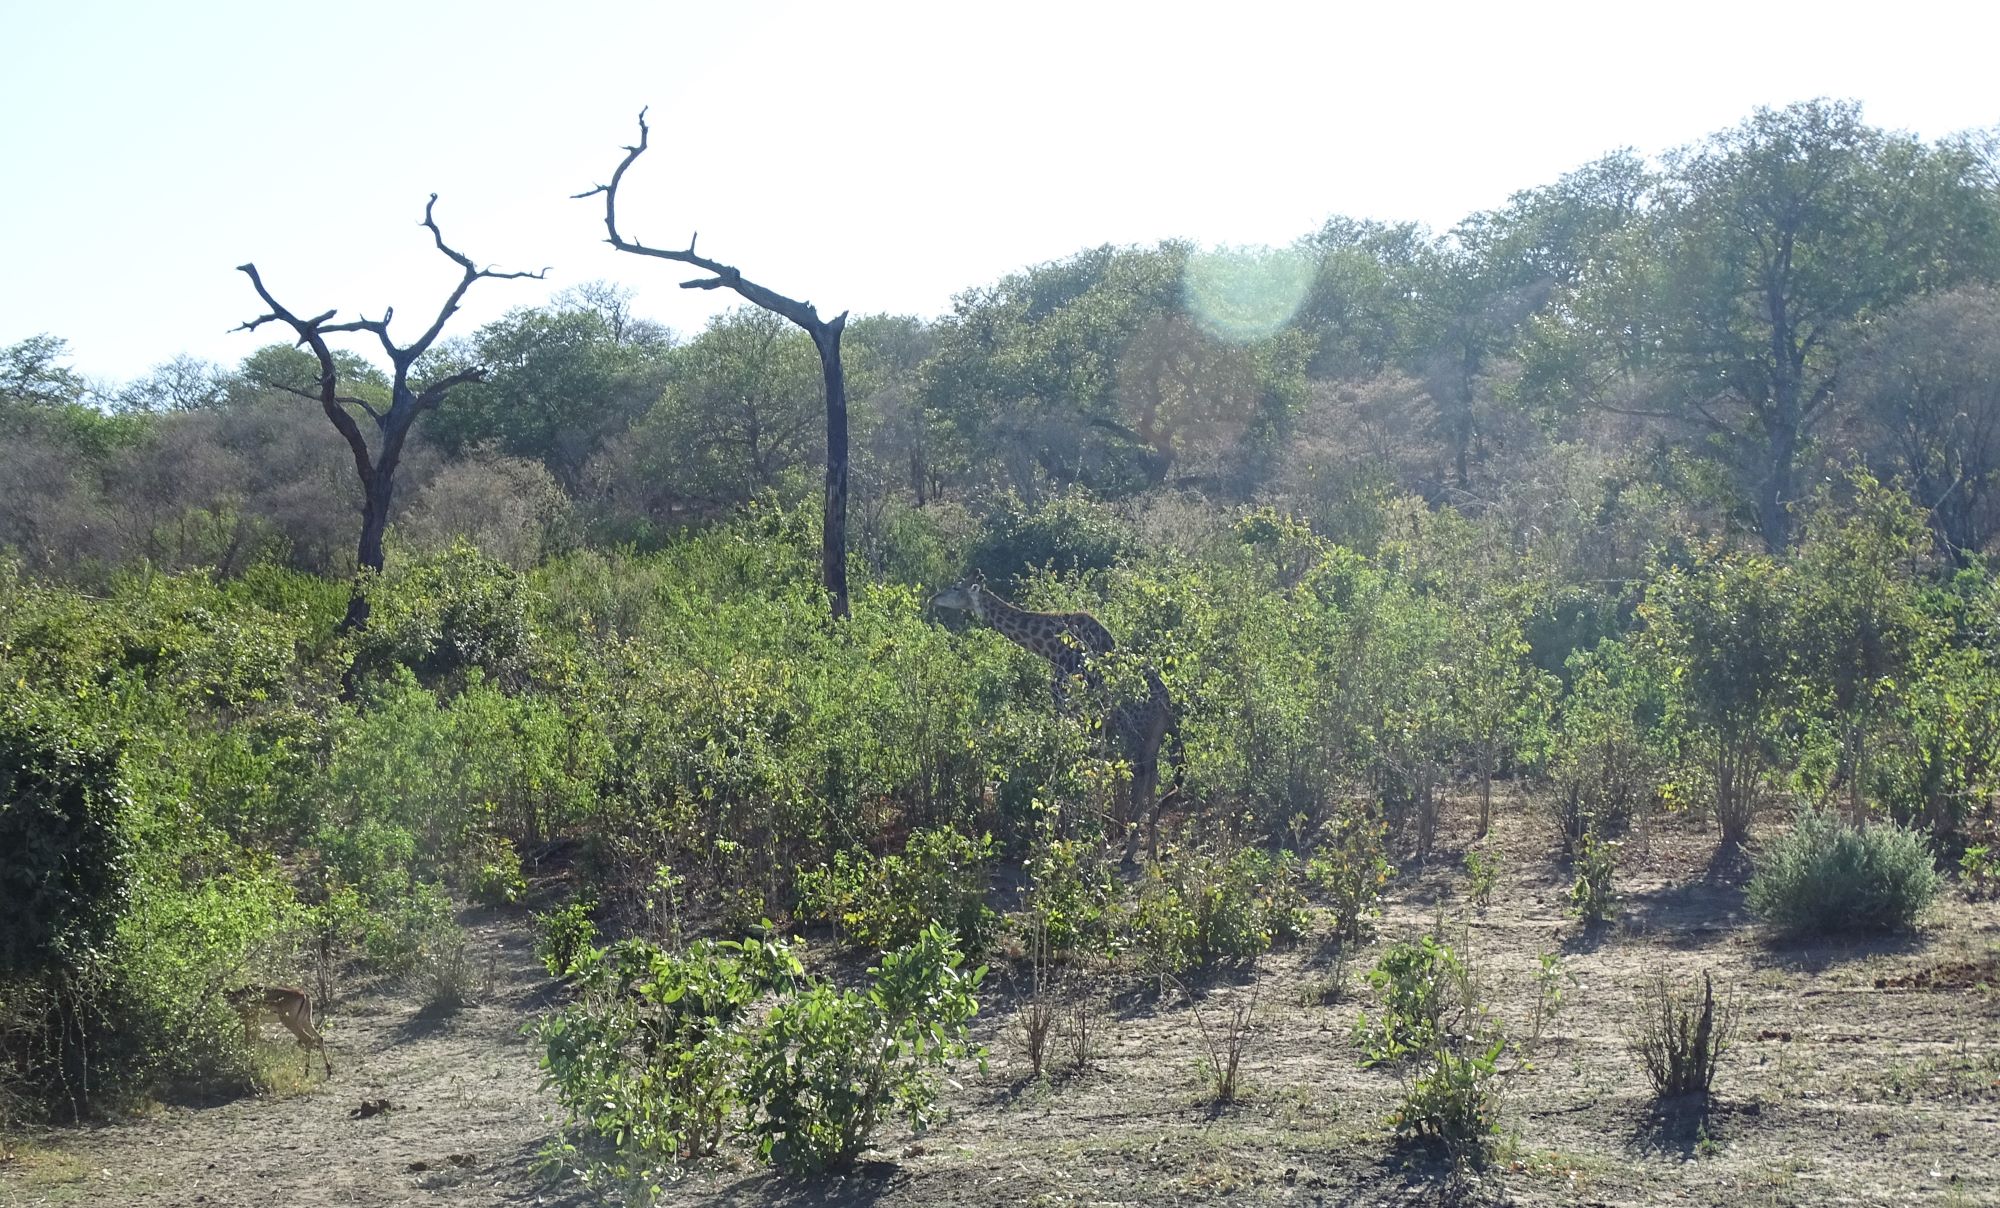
[
  {"x": 1839, "y": 1091},
  {"x": 420, "y": 1108},
  {"x": 1951, "y": 975}
]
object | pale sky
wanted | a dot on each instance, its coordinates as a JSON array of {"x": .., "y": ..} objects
[{"x": 868, "y": 157}]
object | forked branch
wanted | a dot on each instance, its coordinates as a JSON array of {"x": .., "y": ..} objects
[
  {"x": 376, "y": 467},
  {"x": 722, "y": 276}
]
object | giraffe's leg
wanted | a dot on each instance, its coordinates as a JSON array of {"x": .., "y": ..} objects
[{"x": 1144, "y": 808}]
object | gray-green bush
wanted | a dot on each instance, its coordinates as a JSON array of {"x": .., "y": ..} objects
[{"x": 1827, "y": 875}]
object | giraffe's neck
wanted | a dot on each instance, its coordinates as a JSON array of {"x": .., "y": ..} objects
[
  {"x": 1017, "y": 625},
  {"x": 1064, "y": 639}
]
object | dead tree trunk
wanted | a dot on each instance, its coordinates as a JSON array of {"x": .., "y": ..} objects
[
  {"x": 376, "y": 468},
  {"x": 825, "y": 335}
]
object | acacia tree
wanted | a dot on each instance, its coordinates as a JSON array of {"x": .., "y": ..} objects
[
  {"x": 825, "y": 335},
  {"x": 1780, "y": 234},
  {"x": 376, "y": 468}
]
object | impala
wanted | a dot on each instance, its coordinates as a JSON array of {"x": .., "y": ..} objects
[{"x": 289, "y": 1006}]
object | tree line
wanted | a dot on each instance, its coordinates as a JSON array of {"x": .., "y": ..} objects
[{"x": 1726, "y": 323}]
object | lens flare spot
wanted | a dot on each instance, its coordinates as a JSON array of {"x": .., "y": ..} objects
[{"x": 1245, "y": 294}]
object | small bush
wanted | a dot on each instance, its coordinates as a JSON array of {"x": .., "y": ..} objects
[
  {"x": 1072, "y": 899},
  {"x": 1421, "y": 985},
  {"x": 1481, "y": 874},
  {"x": 1682, "y": 1036},
  {"x": 827, "y": 1064},
  {"x": 1552, "y": 985},
  {"x": 1452, "y": 1100},
  {"x": 563, "y": 937},
  {"x": 1198, "y": 908},
  {"x": 888, "y": 901},
  {"x": 498, "y": 880},
  {"x": 446, "y": 970},
  {"x": 650, "y": 1054},
  {"x": 1979, "y": 871},
  {"x": 1068, "y": 533},
  {"x": 1435, "y": 1028},
  {"x": 662, "y": 1056},
  {"x": 1350, "y": 870},
  {"x": 1591, "y": 897},
  {"x": 1829, "y": 876},
  {"x": 1224, "y": 1041}
]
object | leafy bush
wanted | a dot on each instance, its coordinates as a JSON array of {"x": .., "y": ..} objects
[
  {"x": 1452, "y": 1100},
  {"x": 444, "y": 615},
  {"x": 1829, "y": 876},
  {"x": 1419, "y": 985},
  {"x": 889, "y": 901},
  {"x": 445, "y": 968},
  {"x": 64, "y": 859},
  {"x": 1979, "y": 871},
  {"x": 498, "y": 880},
  {"x": 564, "y": 937},
  {"x": 661, "y": 1052},
  {"x": 1434, "y": 1025},
  {"x": 1197, "y": 908},
  {"x": 1073, "y": 900},
  {"x": 1067, "y": 533},
  {"x": 1590, "y": 895},
  {"x": 648, "y": 1060},
  {"x": 1351, "y": 869},
  {"x": 1481, "y": 873},
  {"x": 1607, "y": 757},
  {"x": 1682, "y": 1036},
  {"x": 827, "y": 1064}
]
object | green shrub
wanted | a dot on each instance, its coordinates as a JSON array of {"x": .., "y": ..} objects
[
  {"x": 1979, "y": 871},
  {"x": 1434, "y": 1026},
  {"x": 564, "y": 937},
  {"x": 1452, "y": 1100},
  {"x": 65, "y": 862},
  {"x": 1829, "y": 876},
  {"x": 827, "y": 1064},
  {"x": 443, "y": 615},
  {"x": 888, "y": 901},
  {"x": 1416, "y": 983},
  {"x": 1073, "y": 899},
  {"x": 445, "y": 968},
  {"x": 1067, "y": 533},
  {"x": 1197, "y": 908},
  {"x": 1481, "y": 873},
  {"x": 659, "y": 1053},
  {"x": 498, "y": 880},
  {"x": 1350, "y": 870},
  {"x": 648, "y": 1060},
  {"x": 1591, "y": 897}
]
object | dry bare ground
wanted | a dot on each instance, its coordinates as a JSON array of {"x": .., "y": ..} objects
[{"x": 1866, "y": 1072}]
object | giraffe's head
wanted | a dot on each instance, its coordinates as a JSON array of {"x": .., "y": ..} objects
[{"x": 966, "y": 595}]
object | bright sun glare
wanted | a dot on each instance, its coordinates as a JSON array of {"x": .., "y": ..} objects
[{"x": 1245, "y": 294}]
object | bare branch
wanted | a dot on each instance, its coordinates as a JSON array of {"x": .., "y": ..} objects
[
  {"x": 722, "y": 276},
  {"x": 472, "y": 272},
  {"x": 309, "y": 396},
  {"x": 434, "y": 393}
]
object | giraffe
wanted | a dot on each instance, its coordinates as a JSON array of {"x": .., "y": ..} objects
[{"x": 1068, "y": 641}]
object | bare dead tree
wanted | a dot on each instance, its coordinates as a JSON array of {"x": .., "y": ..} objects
[
  {"x": 825, "y": 337},
  {"x": 377, "y": 468}
]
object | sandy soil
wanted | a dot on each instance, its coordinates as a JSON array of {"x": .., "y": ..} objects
[
  {"x": 1866, "y": 1072},
  {"x": 466, "y": 1117}
]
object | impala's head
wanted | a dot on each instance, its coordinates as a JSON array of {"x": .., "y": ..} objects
[
  {"x": 243, "y": 996},
  {"x": 964, "y": 595}
]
